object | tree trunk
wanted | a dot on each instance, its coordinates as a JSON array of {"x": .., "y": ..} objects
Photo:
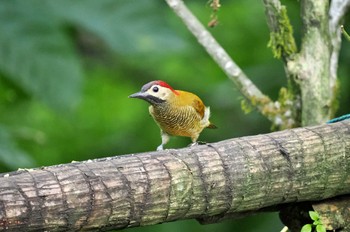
[
  {"x": 311, "y": 68},
  {"x": 211, "y": 182}
]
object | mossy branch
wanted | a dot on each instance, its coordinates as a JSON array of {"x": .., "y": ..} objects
[
  {"x": 283, "y": 45},
  {"x": 282, "y": 40}
]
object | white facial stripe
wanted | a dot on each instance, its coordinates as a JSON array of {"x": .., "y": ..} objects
[{"x": 159, "y": 91}]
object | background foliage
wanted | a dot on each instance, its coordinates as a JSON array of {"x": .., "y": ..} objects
[{"x": 67, "y": 67}]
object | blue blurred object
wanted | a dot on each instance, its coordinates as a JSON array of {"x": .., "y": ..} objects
[{"x": 341, "y": 118}]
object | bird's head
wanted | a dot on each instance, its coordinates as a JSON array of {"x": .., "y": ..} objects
[{"x": 155, "y": 92}]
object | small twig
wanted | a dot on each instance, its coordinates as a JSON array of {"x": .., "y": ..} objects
[
  {"x": 347, "y": 36},
  {"x": 285, "y": 229},
  {"x": 215, "y": 6}
]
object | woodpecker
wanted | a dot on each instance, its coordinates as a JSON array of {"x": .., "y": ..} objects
[{"x": 177, "y": 112}]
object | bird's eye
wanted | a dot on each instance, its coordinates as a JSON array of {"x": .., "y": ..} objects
[{"x": 155, "y": 89}]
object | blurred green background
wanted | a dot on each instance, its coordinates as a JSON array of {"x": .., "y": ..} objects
[{"x": 67, "y": 68}]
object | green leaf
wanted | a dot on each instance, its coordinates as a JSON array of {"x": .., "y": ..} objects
[
  {"x": 37, "y": 55},
  {"x": 314, "y": 215},
  {"x": 10, "y": 155},
  {"x": 320, "y": 228},
  {"x": 306, "y": 228}
]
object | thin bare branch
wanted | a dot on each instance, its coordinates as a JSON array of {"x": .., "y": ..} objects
[
  {"x": 337, "y": 10},
  {"x": 232, "y": 70}
]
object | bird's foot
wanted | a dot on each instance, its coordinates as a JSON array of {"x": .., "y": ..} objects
[
  {"x": 197, "y": 143},
  {"x": 160, "y": 148}
]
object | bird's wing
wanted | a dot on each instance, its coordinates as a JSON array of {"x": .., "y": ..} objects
[
  {"x": 198, "y": 105},
  {"x": 192, "y": 100}
]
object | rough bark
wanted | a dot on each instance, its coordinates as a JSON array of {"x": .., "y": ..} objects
[
  {"x": 312, "y": 69},
  {"x": 315, "y": 74},
  {"x": 334, "y": 214},
  {"x": 209, "y": 182}
]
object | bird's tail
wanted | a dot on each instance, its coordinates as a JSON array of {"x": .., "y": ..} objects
[
  {"x": 206, "y": 118},
  {"x": 212, "y": 126}
]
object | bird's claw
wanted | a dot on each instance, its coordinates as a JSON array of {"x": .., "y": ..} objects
[{"x": 197, "y": 143}]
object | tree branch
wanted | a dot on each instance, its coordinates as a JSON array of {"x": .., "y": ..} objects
[
  {"x": 220, "y": 56},
  {"x": 337, "y": 11},
  {"x": 283, "y": 46},
  {"x": 312, "y": 69},
  {"x": 334, "y": 213},
  {"x": 281, "y": 36},
  {"x": 211, "y": 182}
]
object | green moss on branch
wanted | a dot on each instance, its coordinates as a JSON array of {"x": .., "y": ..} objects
[{"x": 282, "y": 41}]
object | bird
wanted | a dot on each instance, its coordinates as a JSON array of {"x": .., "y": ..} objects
[{"x": 177, "y": 112}]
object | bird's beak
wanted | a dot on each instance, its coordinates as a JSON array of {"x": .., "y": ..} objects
[
  {"x": 141, "y": 95},
  {"x": 147, "y": 97}
]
